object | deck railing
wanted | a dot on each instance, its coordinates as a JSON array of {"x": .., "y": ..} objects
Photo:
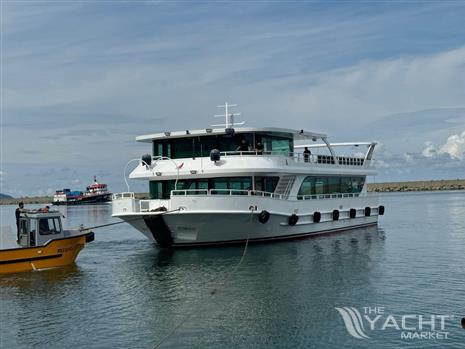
[
  {"x": 125, "y": 195},
  {"x": 231, "y": 192},
  {"x": 297, "y": 157}
]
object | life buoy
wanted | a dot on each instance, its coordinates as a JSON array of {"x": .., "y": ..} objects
[
  {"x": 367, "y": 211},
  {"x": 293, "y": 219},
  {"x": 316, "y": 217},
  {"x": 381, "y": 210},
  {"x": 353, "y": 213},
  {"x": 335, "y": 215},
  {"x": 263, "y": 216}
]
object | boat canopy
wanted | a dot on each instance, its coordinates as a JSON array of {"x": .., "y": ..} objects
[{"x": 294, "y": 134}]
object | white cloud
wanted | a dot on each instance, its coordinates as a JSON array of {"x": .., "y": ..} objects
[
  {"x": 430, "y": 151},
  {"x": 453, "y": 148},
  {"x": 370, "y": 89},
  {"x": 409, "y": 158}
]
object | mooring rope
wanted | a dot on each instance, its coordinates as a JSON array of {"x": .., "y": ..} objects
[
  {"x": 211, "y": 293},
  {"x": 125, "y": 221}
]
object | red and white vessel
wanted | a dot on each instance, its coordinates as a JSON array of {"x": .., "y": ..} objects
[{"x": 95, "y": 193}]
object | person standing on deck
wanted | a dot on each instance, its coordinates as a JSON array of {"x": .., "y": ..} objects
[
  {"x": 243, "y": 146},
  {"x": 307, "y": 154},
  {"x": 17, "y": 214}
]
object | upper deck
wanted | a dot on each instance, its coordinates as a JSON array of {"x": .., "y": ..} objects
[
  {"x": 230, "y": 150},
  {"x": 199, "y": 143}
]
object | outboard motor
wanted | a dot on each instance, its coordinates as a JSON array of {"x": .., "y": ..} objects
[
  {"x": 147, "y": 158},
  {"x": 215, "y": 155}
]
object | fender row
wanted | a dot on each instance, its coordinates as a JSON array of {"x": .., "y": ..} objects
[{"x": 264, "y": 215}]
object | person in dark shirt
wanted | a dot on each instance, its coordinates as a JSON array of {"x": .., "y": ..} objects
[
  {"x": 243, "y": 146},
  {"x": 307, "y": 154},
  {"x": 259, "y": 148},
  {"x": 17, "y": 214}
]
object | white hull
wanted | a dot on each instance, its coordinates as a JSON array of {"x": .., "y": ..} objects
[{"x": 202, "y": 221}]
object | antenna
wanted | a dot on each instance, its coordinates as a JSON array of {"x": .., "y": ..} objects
[{"x": 229, "y": 117}]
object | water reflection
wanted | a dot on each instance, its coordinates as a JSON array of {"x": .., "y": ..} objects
[
  {"x": 125, "y": 292},
  {"x": 272, "y": 283}
]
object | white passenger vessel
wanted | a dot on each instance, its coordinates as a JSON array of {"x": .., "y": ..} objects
[{"x": 231, "y": 184}]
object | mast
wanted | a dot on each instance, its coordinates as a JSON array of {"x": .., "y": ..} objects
[{"x": 229, "y": 117}]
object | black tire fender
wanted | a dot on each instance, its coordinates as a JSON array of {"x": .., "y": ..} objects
[
  {"x": 293, "y": 219},
  {"x": 367, "y": 211},
  {"x": 264, "y": 216},
  {"x": 381, "y": 210},
  {"x": 353, "y": 213}
]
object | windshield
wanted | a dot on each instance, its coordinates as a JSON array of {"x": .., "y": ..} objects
[{"x": 49, "y": 226}]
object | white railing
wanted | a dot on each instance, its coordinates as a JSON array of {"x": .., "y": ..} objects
[
  {"x": 328, "y": 196},
  {"x": 125, "y": 195},
  {"x": 231, "y": 192},
  {"x": 297, "y": 157}
]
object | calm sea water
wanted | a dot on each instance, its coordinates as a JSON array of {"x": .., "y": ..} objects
[{"x": 124, "y": 292}]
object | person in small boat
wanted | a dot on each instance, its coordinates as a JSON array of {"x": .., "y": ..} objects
[
  {"x": 18, "y": 211},
  {"x": 307, "y": 154},
  {"x": 259, "y": 148},
  {"x": 243, "y": 146},
  {"x": 44, "y": 228}
]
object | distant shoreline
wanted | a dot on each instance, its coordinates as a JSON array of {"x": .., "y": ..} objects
[
  {"x": 47, "y": 200},
  {"x": 434, "y": 185},
  {"x": 387, "y": 187}
]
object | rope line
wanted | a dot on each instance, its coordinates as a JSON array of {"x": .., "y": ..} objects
[
  {"x": 125, "y": 221},
  {"x": 211, "y": 293}
]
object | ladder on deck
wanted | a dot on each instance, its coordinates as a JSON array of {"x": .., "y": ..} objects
[{"x": 285, "y": 185}]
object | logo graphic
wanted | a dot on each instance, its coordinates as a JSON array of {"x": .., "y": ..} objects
[
  {"x": 407, "y": 326},
  {"x": 353, "y": 321}
]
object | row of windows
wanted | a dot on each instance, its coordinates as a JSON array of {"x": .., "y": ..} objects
[
  {"x": 201, "y": 146},
  {"x": 312, "y": 185},
  {"x": 331, "y": 184},
  {"x": 162, "y": 189}
]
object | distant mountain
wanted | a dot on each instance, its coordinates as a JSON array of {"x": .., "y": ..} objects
[{"x": 4, "y": 196}]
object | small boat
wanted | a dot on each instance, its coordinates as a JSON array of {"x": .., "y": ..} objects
[
  {"x": 95, "y": 193},
  {"x": 43, "y": 243}
]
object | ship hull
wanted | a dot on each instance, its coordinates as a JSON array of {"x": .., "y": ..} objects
[
  {"x": 85, "y": 200},
  {"x": 223, "y": 227}
]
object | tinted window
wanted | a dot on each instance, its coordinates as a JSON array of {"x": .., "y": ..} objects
[
  {"x": 313, "y": 185},
  {"x": 49, "y": 226}
]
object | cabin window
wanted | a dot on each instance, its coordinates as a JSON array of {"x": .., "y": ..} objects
[
  {"x": 267, "y": 184},
  {"x": 276, "y": 144},
  {"x": 201, "y": 146},
  {"x": 49, "y": 226},
  {"x": 162, "y": 189},
  {"x": 313, "y": 185}
]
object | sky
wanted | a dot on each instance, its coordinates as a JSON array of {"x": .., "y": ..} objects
[{"x": 82, "y": 79}]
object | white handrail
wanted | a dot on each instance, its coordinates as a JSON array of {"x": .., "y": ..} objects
[
  {"x": 123, "y": 195},
  {"x": 230, "y": 192},
  {"x": 297, "y": 157}
]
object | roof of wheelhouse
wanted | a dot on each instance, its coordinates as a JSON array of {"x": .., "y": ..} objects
[{"x": 296, "y": 134}]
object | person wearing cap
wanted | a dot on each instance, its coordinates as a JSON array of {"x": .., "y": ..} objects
[{"x": 17, "y": 214}]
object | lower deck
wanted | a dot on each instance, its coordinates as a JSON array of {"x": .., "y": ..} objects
[{"x": 204, "y": 219}]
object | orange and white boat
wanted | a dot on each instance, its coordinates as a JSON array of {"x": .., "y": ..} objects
[{"x": 43, "y": 243}]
